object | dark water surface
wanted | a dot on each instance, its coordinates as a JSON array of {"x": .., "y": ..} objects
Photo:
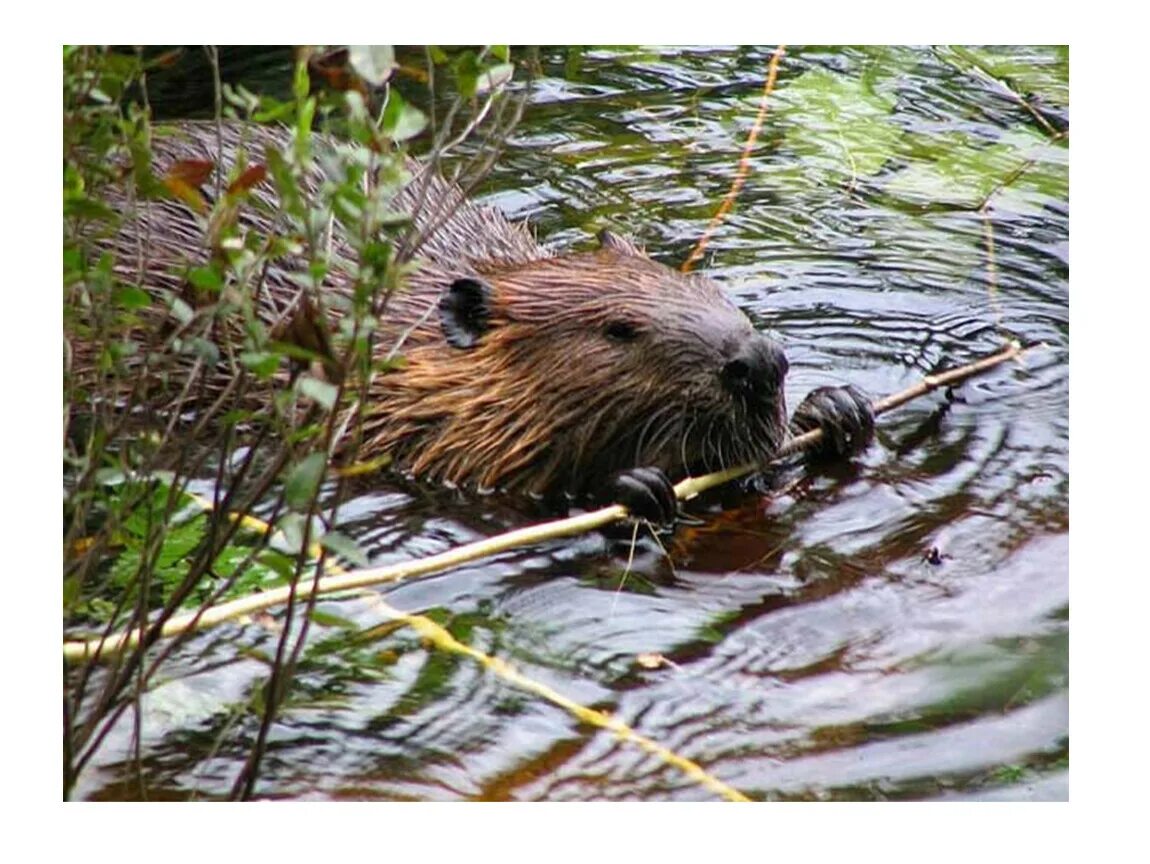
[{"x": 892, "y": 629}]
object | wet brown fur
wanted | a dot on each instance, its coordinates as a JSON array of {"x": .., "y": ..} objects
[
  {"x": 549, "y": 399},
  {"x": 546, "y": 400}
]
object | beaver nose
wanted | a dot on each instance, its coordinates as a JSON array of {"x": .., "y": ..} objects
[{"x": 757, "y": 368}]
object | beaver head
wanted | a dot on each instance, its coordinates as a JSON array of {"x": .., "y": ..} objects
[{"x": 551, "y": 375}]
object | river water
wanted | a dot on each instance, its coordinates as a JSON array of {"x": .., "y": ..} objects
[{"x": 896, "y": 628}]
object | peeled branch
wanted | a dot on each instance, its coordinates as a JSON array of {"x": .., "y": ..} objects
[{"x": 103, "y": 648}]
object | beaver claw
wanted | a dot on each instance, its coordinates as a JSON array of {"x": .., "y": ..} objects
[
  {"x": 647, "y": 492},
  {"x": 845, "y": 416}
]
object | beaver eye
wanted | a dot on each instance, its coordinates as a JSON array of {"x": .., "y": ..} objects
[{"x": 621, "y": 331}]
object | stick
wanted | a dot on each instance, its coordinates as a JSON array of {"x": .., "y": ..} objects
[
  {"x": 359, "y": 579},
  {"x": 744, "y": 167}
]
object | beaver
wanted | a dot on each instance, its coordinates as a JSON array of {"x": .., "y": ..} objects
[{"x": 600, "y": 375}]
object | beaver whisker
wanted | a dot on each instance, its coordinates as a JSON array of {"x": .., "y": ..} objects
[
  {"x": 642, "y": 437},
  {"x": 711, "y": 445},
  {"x": 720, "y": 439},
  {"x": 678, "y": 426},
  {"x": 684, "y": 432},
  {"x": 704, "y": 446},
  {"x": 662, "y": 422}
]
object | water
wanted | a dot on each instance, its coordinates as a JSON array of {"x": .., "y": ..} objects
[{"x": 892, "y": 629}]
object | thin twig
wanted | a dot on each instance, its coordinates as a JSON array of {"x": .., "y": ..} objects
[
  {"x": 442, "y": 639},
  {"x": 744, "y": 164}
]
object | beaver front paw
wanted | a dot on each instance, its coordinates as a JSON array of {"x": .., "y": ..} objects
[
  {"x": 845, "y": 416},
  {"x": 647, "y": 492}
]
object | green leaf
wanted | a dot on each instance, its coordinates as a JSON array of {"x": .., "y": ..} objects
[
  {"x": 168, "y": 566},
  {"x": 205, "y": 349},
  {"x": 110, "y": 476},
  {"x": 358, "y": 115},
  {"x": 320, "y": 391},
  {"x": 301, "y": 83},
  {"x": 72, "y": 592},
  {"x": 303, "y": 482},
  {"x": 959, "y": 171},
  {"x": 272, "y": 110},
  {"x": 1026, "y": 70},
  {"x": 373, "y": 63},
  {"x": 494, "y": 77},
  {"x": 82, "y": 207},
  {"x": 73, "y": 259},
  {"x": 345, "y": 548},
  {"x": 402, "y": 121},
  {"x": 207, "y": 278},
  {"x": 252, "y": 577},
  {"x": 262, "y": 363},
  {"x": 276, "y": 561},
  {"x": 123, "y": 348},
  {"x": 838, "y": 124},
  {"x": 305, "y": 121},
  {"x": 327, "y": 619},
  {"x": 291, "y": 527},
  {"x": 181, "y": 311},
  {"x": 179, "y": 542},
  {"x": 318, "y": 270},
  {"x": 132, "y": 297},
  {"x": 466, "y": 68}
]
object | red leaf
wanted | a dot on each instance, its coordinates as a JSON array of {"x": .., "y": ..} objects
[
  {"x": 252, "y": 176},
  {"x": 190, "y": 195},
  {"x": 166, "y": 60},
  {"x": 191, "y": 172},
  {"x": 184, "y": 179}
]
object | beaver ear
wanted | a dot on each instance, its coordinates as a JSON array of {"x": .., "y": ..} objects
[
  {"x": 617, "y": 243},
  {"x": 464, "y": 312}
]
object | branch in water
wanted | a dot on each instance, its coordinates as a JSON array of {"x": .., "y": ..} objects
[{"x": 359, "y": 579}]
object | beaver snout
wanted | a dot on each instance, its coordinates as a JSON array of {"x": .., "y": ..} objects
[{"x": 756, "y": 370}]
